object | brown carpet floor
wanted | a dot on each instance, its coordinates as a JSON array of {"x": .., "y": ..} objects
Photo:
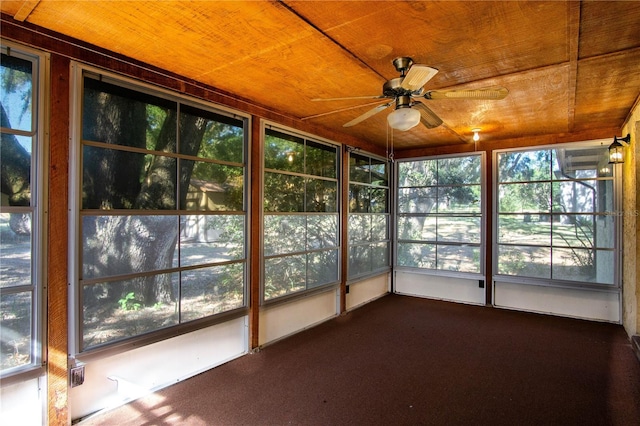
[{"x": 408, "y": 361}]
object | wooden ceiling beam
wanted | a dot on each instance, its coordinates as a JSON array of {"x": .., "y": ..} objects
[
  {"x": 573, "y": 34},
  {"x": 25, "y": 10}
]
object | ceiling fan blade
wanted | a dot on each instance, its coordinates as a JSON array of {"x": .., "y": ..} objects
[
  {"x": 322, "y": 114},
  {"x": 367, "y": 114},
  {"x": 488, "y": 93},
  {"x": 417, "y": 76},
  {"x": 427, "y": 117},
  {"x": 348, "y": 98}
]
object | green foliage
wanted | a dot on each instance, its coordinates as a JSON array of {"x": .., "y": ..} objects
[{"x": 129, "y": 302}]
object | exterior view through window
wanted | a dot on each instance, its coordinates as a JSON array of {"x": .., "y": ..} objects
[
  {"x": 554, "y": 218},
  {"x": 162, "y": 213},
  {"x": 20, "y": 216},
  {"x": 368, "y": 215},
  {"x": 440, "y": 214},
  {"x": 301, "y": 237}
]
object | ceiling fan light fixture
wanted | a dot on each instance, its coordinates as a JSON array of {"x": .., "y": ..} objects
[{"x": 404, "y": 119}]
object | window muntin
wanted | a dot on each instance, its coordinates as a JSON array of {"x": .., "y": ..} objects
[
  {"x": 553, "y": 215},
  {"x": 368, "y": 220},
  {"x": 162, "y": 212},
  {"x": 439, "y": 220},
  {"x": 301, "y": 222},
  {"x": 20, "y": 210}
]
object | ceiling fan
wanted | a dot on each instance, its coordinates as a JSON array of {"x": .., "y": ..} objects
[{"x": 408, "y": 94}]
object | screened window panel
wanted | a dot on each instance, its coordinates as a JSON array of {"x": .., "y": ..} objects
[
  {"x": 359, "y": 170},
  {"x": 321, "y": 160},
  {"x": 459, "y": 199},
  {"x": 282, "y": 193},
  {"x": 211, "y": 187},
  {"x": 523, "y": 166},
  {"x": 379, "y": 172},
  {"x": 152, "y": 153},
  {"x": 458, "y": 258},
  {"x": 534, "y": 197},
  {"x": 457, "y": 229},
  {"x": 417, "y": 228},
  {"x": 16, "y": 250},
  {"x": 20, "y": 211},
  {"x": 321, "y": 195},
  {"x": 322, "y": 268},
  {"x": 359, "y": 198},
  {"x": 283, "y": 152},
  {"x": 526, "y": 261},
  {"x": 524, "y": 229},
  {"x": 322, "y": 231},
  {"x": 586, "y": 231},
  {"x": 284, "y": 234},
  {"x": 417, "y": 200},
  {"x": 421, "y": 173},
  {"x": 211, "y": 239},
  {"x": 417, "y": 255},
  {"x": 17, "y": 93},
  {"x": 578, "y": 264},
  {"x": 285, "y": 275},
  {"x": 210, "y": 291},
  {"x": 458, "y": 171},
  {"x": 117, "y": 310},
  {"x": 359, "y": 228}
]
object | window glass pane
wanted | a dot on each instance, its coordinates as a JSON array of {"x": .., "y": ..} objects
[
  {"x": 417, "y": 255},
  {"x": 284, "y": 275},
  {"x": 114, "y": 179},
  {"x": 15, "y": 325},
  {"x": 15, "y": 153},
  {"x": 459, "y": 170},
  {"x": 15, "y": 249},
  {"x": 577, "y": 264},
  {"x": 210, "y": 291},
  {"x": 359, "y": 228},
  {"x": 322, "y": 195},
  {"x": 525, "y": 229},
  {"x": 459, "y": 258},
  {"x": 210, "y": 135},
  {"x": 417, "y": 173},
  {"x": 322, "y": 160},
  {"x": 283, "y": 193},
  {"x": 587, "y": 196},
  {"x": 359, "y": 260},
  {"x": 359, "y": 169},
  {"x": 379, "y": 227},
  {"x": 416, "y": 200},
  {"x": 417, "y": 228},
  {"x": 522, "y": 166},
  {"x": 379, "y": 175},
  {"x": 525, "y": 197},
  {"x": 579, "y": 163},
  {"x": 524, "y": 261},
  {"x": 378, "y": 203},
  {"x": 283, "y": 152},
  {"x": 211, "y": 187},
  {"x": 459, "y": 199},
  {"x": 379, "y": 255},
  {"x": 284, "y": 234},
  {"x": 459, "y": 229},
  {"x": 116, "y": 310},
  {"x": 322, "y": 268},
  {"x": 211, "y": 239},
  {"x": 115, "y": 245},
  {"x": 322, "y": 231},
  {"x": 16, "y": 77},
  {"x": 359, "y": 198},
  {"x": 149, "y": 122}
]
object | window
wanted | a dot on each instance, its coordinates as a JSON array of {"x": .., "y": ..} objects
[
  {"x": 440, "y": 214},
  {"x": 21, "y": 209},
  {"x": 162, "y": 212},
  {"x": 301, "y": 232},
  {"x": 368, "y": 226},
  {"x": 554, "y": 218}
]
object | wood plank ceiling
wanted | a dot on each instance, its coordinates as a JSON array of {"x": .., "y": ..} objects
[{"x": 570, "y": 67}]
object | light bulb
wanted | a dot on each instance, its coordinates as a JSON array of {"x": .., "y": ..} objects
[
  {"x": 404, "y": 119},
  {"x": 476, "y": 135}
]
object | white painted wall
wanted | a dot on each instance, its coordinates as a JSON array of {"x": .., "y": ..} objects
[
  {"x": 439, "y": 287},
  {"x": 287, "y": 318},
  {"x": 569, "y": 302},
  {"x": 22, "y": 404},
  {"x": 364, "y": 291},
  {"x": 116, "y": 379}
]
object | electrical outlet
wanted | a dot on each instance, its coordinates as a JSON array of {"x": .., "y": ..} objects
[{"x": 77, "y": 376}]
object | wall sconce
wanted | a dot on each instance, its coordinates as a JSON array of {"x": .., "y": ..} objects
[{"x": 616, "y": 149}]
